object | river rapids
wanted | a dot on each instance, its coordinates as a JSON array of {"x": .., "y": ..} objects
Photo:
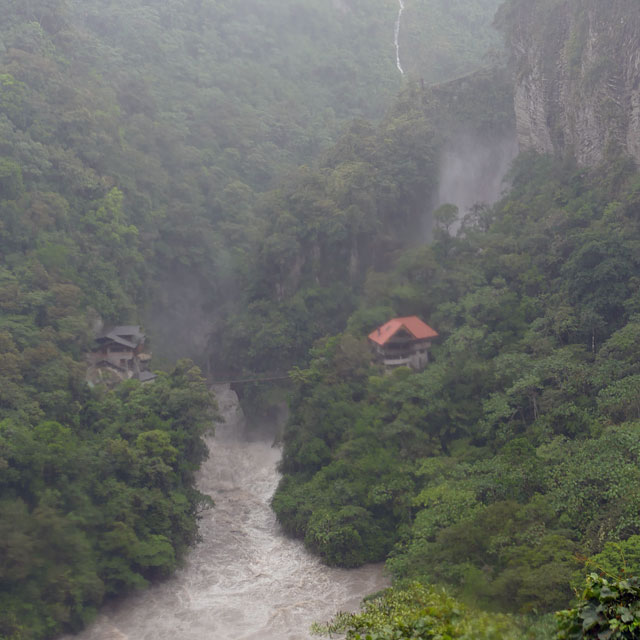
[{"x": 245, "y": 580}]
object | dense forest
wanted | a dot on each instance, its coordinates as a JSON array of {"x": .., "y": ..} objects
[
  {"x": 146, "y": 152},
  {"x": 99, "y": 501},
  {"x": 507, "y": 469},
  {"x": 514, "y": 453},
  {"x": 191, "y": 110},
  {"x": 329, "y": 226},
  {"x": 256, "y": 183}
]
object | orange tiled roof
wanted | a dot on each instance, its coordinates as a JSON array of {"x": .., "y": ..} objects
[{"x": 418, "y": 329}]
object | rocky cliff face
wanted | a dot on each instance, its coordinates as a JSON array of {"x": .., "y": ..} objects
[{"x": 577, "y": 66}]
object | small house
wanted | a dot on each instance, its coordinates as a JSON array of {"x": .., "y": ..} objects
[
  {"x": 403, "y": 342},
  {"x": 121, "y": 352}
]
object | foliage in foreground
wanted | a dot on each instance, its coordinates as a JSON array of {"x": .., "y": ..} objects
[
  {"x": 419, "y": 612},
  {"x": 608, "y": 610}
]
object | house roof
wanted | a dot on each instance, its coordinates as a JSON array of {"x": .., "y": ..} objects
[
  {"x": 412, "y": 324},
  {"x": 117, "y": 339},
  {"x": 117, "y": 335},
  {"x": 127, "y": 330},
  {"x": 125, "y": 343}
]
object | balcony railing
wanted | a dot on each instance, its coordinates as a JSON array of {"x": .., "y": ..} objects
[{"x": 397, "y": 362}]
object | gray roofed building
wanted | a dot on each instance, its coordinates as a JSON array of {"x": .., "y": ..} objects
[
  {"x": 129, "y": 335},
  {"x": 120, "y": 350},
  {"x": 133, "y": 332}
]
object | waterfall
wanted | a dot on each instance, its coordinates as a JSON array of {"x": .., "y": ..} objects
[{"x": 397, "y": 37}]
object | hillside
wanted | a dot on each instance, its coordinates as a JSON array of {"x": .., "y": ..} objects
[
  {"x": 330, "y": 224},
  {"x": 441, "y": 39},
  {"x": 136, "y": 143},
  {"x": 513, "y": 453},
  {"x": 507, "y": 469}
]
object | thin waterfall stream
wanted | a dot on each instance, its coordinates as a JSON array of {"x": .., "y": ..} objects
[
  {"x": 397, "y": 36},
  {"x": 245, "y": 580}
]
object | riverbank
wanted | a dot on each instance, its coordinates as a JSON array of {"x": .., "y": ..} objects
[{"x": 245, "y": 580}]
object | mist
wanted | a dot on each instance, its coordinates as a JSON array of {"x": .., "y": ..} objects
[
  {"x": 180, "y": 165},
  {"x": 473, "y": 171}
]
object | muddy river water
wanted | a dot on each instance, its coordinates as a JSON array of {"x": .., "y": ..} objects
[{"x": 244, "y": 580}]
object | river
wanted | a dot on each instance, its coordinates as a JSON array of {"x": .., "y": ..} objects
[{"x": 244, "y": 580}]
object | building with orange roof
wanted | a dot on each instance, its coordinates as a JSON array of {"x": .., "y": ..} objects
[{"x": 403, "y": 342}]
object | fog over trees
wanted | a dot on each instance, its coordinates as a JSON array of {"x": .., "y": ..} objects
[{"x": 261, "y": 184}]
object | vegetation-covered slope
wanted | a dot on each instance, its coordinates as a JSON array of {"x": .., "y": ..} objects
[
  {"x": 134, "y": 139},
  {"x": 98, "y": 498},
  {"x": 444, "y": 39},
  {"x": 364, "y": 200},
  {"x": 190, "y": 109},
  {"x": 416, "y": 612},
  {"x": 515, "y": 452}
]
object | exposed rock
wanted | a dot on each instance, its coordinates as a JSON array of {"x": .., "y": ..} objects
[{"x": 577, "y": 66}]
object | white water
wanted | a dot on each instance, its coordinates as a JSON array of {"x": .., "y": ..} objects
[
  {"x": 245, "y": 580},
  {"x": 397, "y": 36}
]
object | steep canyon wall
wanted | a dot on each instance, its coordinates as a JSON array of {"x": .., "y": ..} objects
[{"x": 577, "y": 66}]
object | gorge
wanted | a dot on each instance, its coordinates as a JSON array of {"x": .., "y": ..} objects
[
  {"x": 240, "y": 178},
  {"x": 244, "y": 580}
]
